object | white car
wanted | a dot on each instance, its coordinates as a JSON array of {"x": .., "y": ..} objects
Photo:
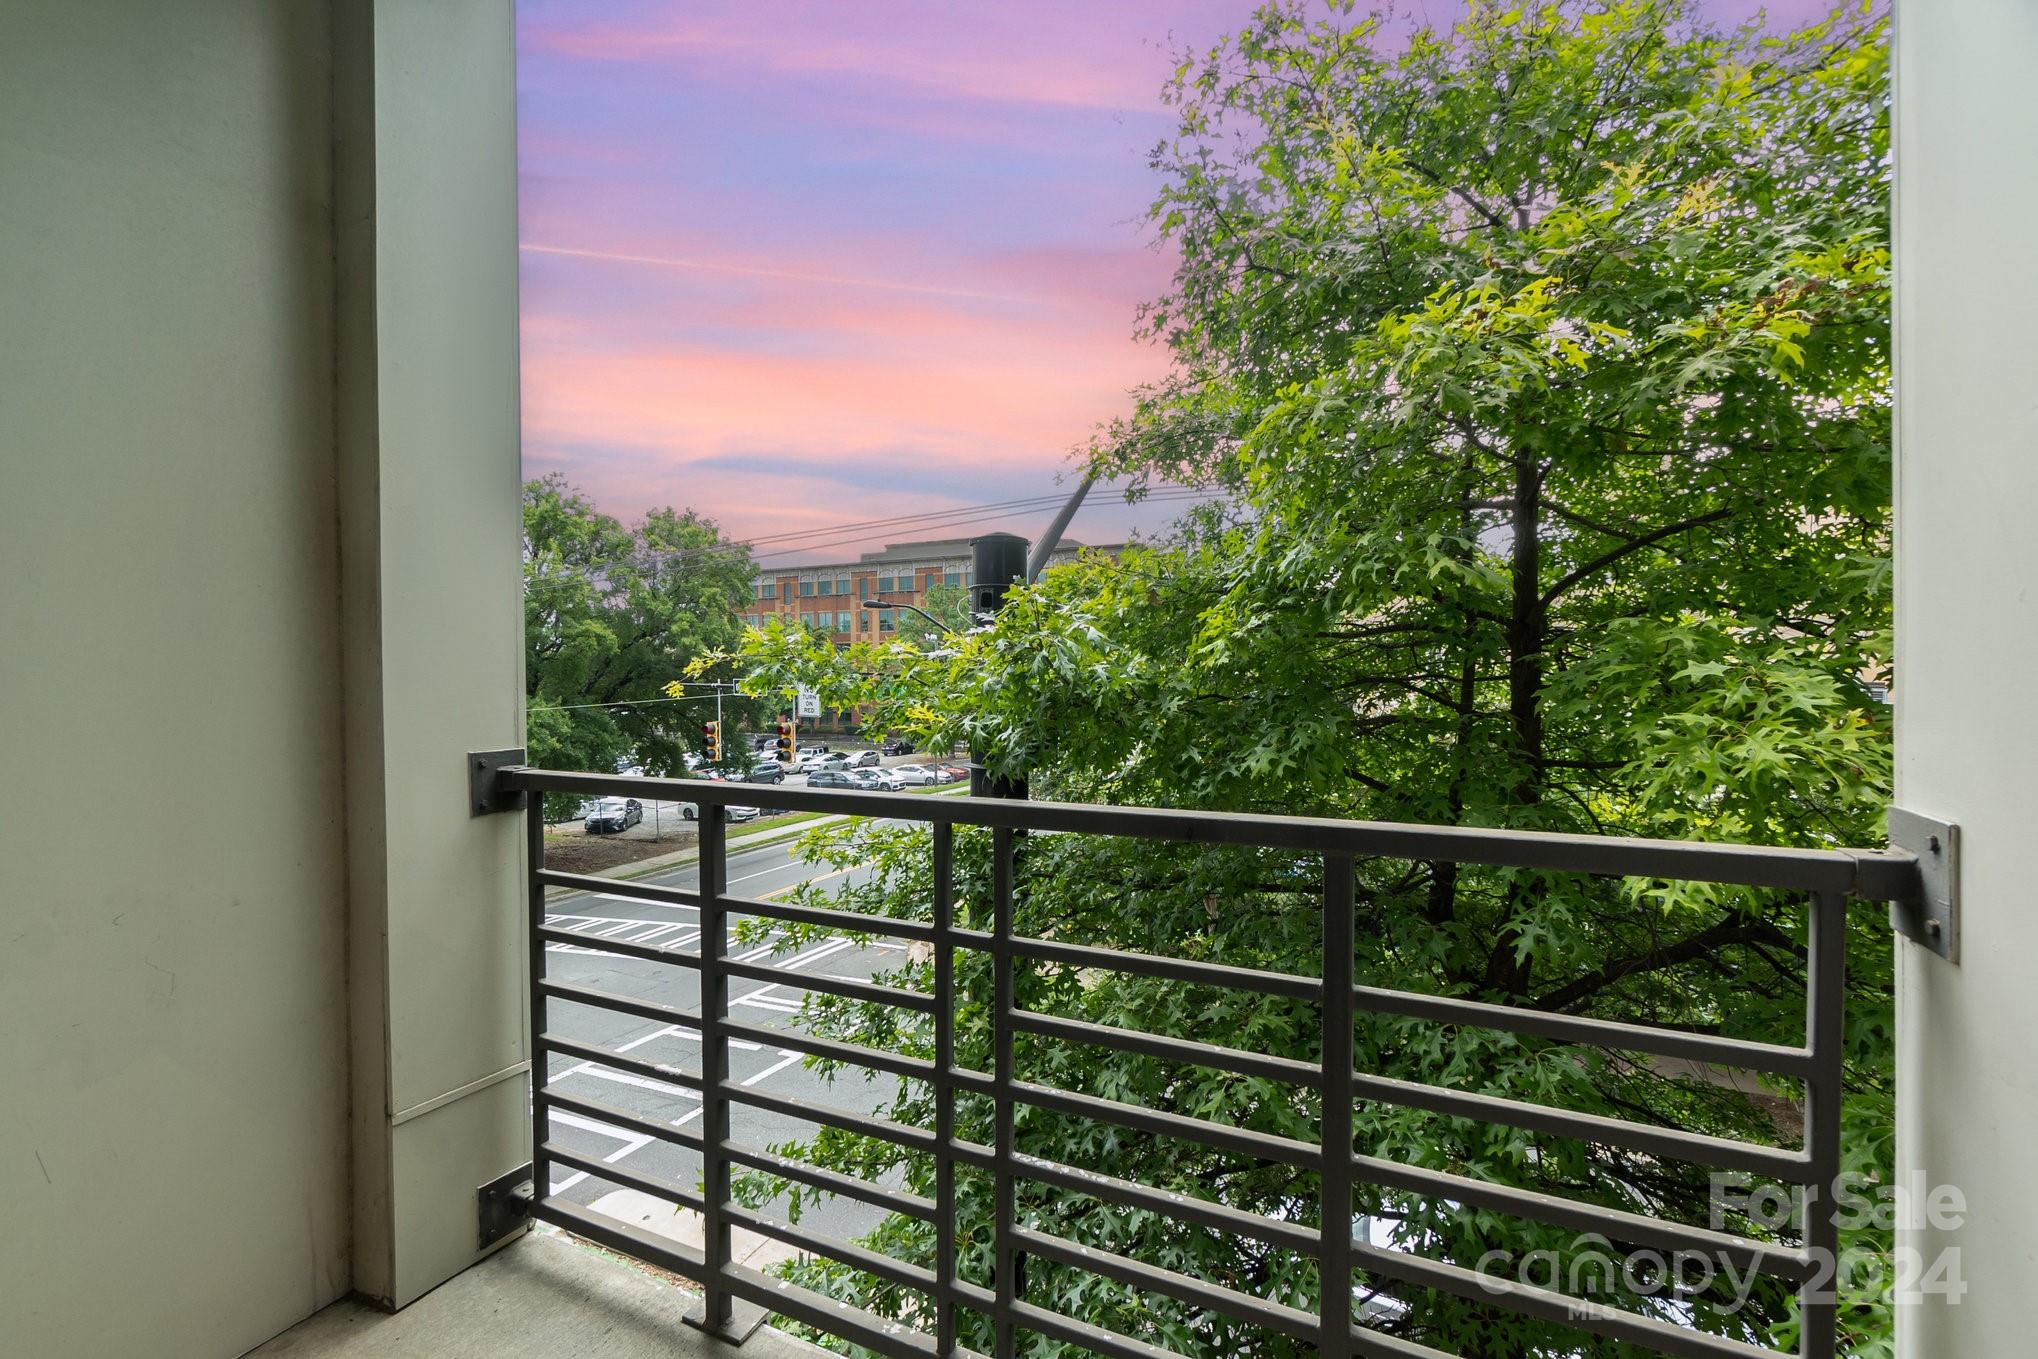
[
  {"x": 691, "y": 812},
  {"x": 887, "y": 779},
  {"x": 809, "y": 763},
  {"x": 914, "y": 775}
]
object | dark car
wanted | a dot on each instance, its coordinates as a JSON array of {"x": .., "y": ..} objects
[
  {"x": 832, "y": 778},
  {"x": 897, "y": 745},
  {"x": 766, "y": 771},
  {"x": 613, "y": 814}
]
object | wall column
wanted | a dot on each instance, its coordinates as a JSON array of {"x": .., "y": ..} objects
[
  {"x": 1967, "y": 652},
  {"x": 425, "y": 202}
]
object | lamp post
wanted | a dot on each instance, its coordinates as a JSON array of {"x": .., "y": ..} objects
[{"x": 882, "y": 603}]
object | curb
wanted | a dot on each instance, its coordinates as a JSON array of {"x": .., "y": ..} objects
[{"x": 665, "y": 863}]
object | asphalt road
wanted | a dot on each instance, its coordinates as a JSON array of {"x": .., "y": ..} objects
[{"x": 762, "y": 872}]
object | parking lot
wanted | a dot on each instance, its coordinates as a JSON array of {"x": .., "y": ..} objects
[{"x": 762, "y": 872}]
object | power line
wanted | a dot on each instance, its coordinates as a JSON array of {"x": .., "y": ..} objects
[
  {"x": 905, "y": 520},
  {"x": 1028, "y": 502},
  {"x": 966, "y": 519},
  {"x": 620, "y": 703}
]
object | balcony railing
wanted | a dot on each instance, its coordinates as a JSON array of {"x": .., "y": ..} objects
[{"x": 1824, "y": 881}]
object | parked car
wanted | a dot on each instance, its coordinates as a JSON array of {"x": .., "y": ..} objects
[
  {"x": 809, "y": 763},
  {"x": 809, "y": 751},
  {"x": 765, "y": 771},
  {"x": 691, "y": 812},
  {"x": 953, "y": 773},
  {"x": 883, "y": 779},
  {"x": 897, "y": 745},
  {"x": 613, "y": 814},
  {"x": 863, "y": 759},
  {"x": 915, "y": 775},
  {"x": 834, "y": 778}
]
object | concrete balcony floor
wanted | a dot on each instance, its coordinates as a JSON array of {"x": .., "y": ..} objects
[{"x": 543, "y": 1297}]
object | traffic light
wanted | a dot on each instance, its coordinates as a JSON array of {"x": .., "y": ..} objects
[
  {"x": 785, "y": 741},
  {"x": 711, "y": 741}
]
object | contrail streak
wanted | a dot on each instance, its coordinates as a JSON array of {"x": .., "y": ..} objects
[{"x": 793, "y": 275}]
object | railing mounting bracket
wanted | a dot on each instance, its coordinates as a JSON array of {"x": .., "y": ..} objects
[
  {"x": 1931, "y": 916},
  {"x": 485, "y": 794},
  {"x": 505, "y": 1204}
]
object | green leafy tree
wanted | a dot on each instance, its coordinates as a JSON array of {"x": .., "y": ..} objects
[
  {"x": 1546, "y": 363},
  {"x": 611, "y": 616}
]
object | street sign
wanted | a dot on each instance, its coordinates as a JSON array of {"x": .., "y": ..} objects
[{"x": 810, "y": 702}]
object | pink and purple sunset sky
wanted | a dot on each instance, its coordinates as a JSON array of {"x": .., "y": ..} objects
[{"x": 796, "y": 263}]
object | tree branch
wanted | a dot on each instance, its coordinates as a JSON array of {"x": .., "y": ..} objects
[{"x": 1612, "y": 555}]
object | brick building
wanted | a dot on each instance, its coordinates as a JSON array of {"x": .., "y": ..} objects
[{"x": 829, "y": 597}]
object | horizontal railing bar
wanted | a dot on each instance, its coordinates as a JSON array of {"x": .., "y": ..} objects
[
  {"x": 636, "y": 1066},
  {"x": 609, "y": 1000},
  {"x": 620, "y": 887},
  {"x": 1790, "y": 1166},
  {"x": 875, "y": 1263},
  {"x": 837, "y": 986},
  {"x": 850, "y": 922},
  {"x": 893, "y": 1339},
  {"x": 1092, "y": 1338},
  {"x": 621, "y": 1118},
  {"x": 1173, "y": 1049},
  {"x": 1777, "y": 1261},
  {"x": 792, "y": 1106},
  {"x": 832, "y": 1181},
  {"x": 1496, "y": 1290},
  {"x": 1809, "y": 870},
  {"x": 1171, "y": 1203},
  {"x": 616, "y": 1174},
  {"x": 622, "y": 1237},
  {"x": 976, "y": 1082},
  {"x": 1167, "y": 1282},
  {"x": 1263, "y": 1146},
  {"x": 1599, "y": 1033},
  {"x": 1153, "y": 965},
  {"x": 650, "y": 953},
  {"x": 852, "y": 1054},
  {"x": 1369, "y": 1344}
]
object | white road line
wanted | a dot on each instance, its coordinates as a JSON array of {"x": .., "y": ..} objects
[
  {"x": 631, "y": 1142},
  {"x": 785, "y": 1060},
  {"x": 827, "y": 950},
  {"x": 640, "y": 901},
  {"x": 655, "y": 1033},
  {"x": 672, "y": 1031}
]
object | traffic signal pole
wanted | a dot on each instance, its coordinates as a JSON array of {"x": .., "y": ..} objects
[{"x": 998, "y": 561}]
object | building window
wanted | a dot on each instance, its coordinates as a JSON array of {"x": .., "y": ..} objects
[
  {"x": 884, "y": 620},
  {"x": 806, "y": 586},
  {"x": 863, "y": 587},
  {"x": 841, "y": 585},
  {"x": 842, "y": 621},
  {"x": 953, "y": 578},
  {"x": 828, "y": 586}
]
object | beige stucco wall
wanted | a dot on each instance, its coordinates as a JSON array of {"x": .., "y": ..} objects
[
  {"x": 173, "y": 1137},
  {"x": 433, "y": 621},
  {"x": 1967, "y": 647},
  {"x": 260, "y": 974}
]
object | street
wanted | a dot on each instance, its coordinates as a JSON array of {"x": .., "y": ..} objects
[{"x": 762, "y": 872}]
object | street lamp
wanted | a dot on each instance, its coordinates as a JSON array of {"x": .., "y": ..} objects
[{"x": 882, "y": 603}]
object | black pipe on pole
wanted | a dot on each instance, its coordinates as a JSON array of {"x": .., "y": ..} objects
[{"x": 998, "y": 561}]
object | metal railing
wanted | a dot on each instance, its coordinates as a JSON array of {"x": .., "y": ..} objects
[{"x": 1827, "y": 879}]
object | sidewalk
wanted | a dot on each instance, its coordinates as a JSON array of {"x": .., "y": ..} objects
[{"x": 759, "y": 839}]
